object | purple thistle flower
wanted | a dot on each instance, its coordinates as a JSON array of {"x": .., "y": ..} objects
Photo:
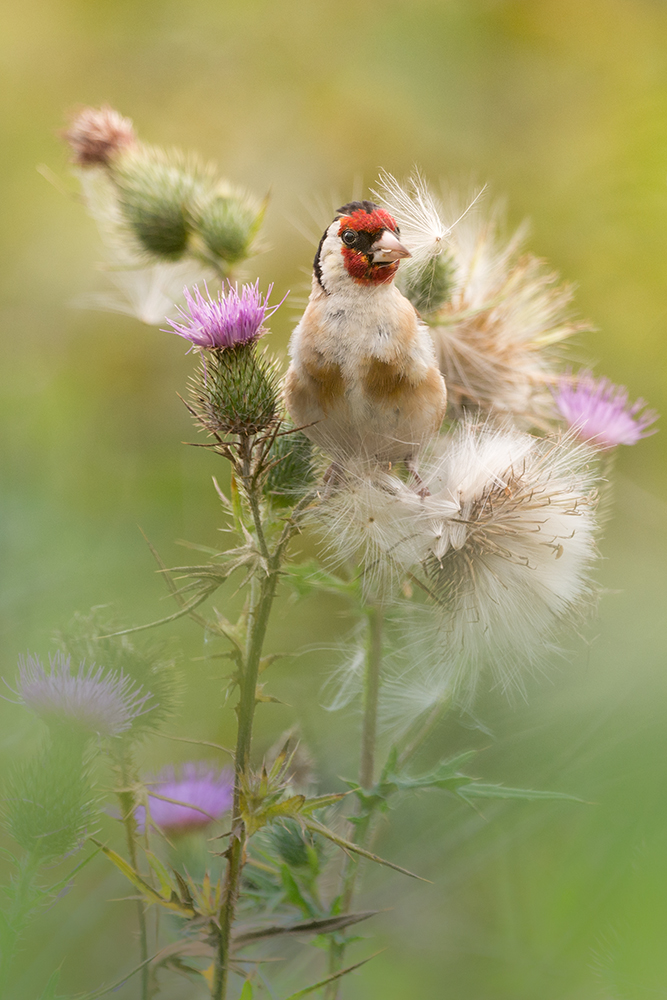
[
  {"x": 200, "y": 795},
  {"x": 231, "y": 319},
  {"x": 600, "y": 412},
  {"x": 93, "y": 700}
]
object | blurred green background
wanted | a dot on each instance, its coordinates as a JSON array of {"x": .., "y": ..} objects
[{"x": 560, "y": 106}]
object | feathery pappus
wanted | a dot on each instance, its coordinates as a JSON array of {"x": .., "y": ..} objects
[
  {"x": 363, "y": 379},
  {"x": 497, "y": 326},
  {"x": 502, "y": 543}
]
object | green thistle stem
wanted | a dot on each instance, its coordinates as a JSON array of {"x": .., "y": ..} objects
[
  {"x": 364, "y": 822},
  {"x": 263, "y": 592},
  {"x": 17, "y": 916},
  {"x": 128, "y": 803},
  {"x": 371, "y": 696}
]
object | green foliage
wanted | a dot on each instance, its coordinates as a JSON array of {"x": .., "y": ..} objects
[
  {"x": 430, "y": 288},
  {"x": 329, "y": 979},
  {"x": 235, "y": 391},
  {"x": 49, "y": 804},
  {"x": 292, "y": 472},
  {"x": 228, "y": 224},
  {"x": 445, "y": 776},
  {"x": 173, "y": 894},
  {"x": 156, "y": 195},
  {"x": 308, "y": 577}
]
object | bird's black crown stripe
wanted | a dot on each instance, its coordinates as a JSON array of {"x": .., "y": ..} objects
[
  {"x": 317, "y": 267},
  {"x": 357, "y": 206}
]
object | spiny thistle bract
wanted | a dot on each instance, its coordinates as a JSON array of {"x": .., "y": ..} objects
[
  {"x": 294, "y": 846},
  {"x": 93, "y": 700},
  {"x": 228, "y": 224},
  {"x": 235, "y": 391},
  {"x": 49, "y": 805},
  {"x": 156, "y": 195},
  {"x": 291, "y": 473},
  {"x": 429, "y": 288}
]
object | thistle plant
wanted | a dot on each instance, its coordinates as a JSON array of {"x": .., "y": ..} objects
[
  {"x": 165, "y": 218},
  {"x": 471, "y": 568}
]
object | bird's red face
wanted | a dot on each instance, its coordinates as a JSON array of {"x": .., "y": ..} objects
[{"x": 371, "y": 249}]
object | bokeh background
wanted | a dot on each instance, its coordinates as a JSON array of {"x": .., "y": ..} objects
[{"x": 560, "y": 107}]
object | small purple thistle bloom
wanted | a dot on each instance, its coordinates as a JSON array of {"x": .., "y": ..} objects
[
  {"x": 231, "y": 319},
  {"x": 600, "y": 412},
  {"x": 93, "y": 700},
  {"x": 200, "y": 794}
]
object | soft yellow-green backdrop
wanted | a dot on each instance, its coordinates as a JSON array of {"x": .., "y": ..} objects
[{"x": 562, "y": 107}]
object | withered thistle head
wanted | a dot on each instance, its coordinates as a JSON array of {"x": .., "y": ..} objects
[
  {"x": 497, "y": 315},
  {"x": 503, "y": 543},
  {"x": 496, "y": 339},
  {"x": 97, "y": 136}
]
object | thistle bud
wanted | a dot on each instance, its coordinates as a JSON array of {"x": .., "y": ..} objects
[
  {"x": 49, "y": 803},
  {"x": 156, "y": 196},
  {"x": 291, "y": 472},
  {"x": 292, "y": 844},
  {"x": 228, "y": 223},
  {"x": 97, "y": 136},
  {"x": 236, "y": 389},
  {"x": 431, "y": 286}
]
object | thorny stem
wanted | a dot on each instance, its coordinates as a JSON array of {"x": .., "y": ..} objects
[
  {"x": 16, "y": 917},
  {"x": 263, "y": 591},
  {"x": 371, "y": 694},
  {"x": 127, "y": 802},
  {"x": 364, "y": 821}
]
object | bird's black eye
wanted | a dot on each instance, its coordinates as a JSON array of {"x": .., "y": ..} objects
[{"x": 349, "y": 237}]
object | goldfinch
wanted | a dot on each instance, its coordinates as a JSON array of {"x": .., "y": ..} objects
[{"x": 363, "y": 380}]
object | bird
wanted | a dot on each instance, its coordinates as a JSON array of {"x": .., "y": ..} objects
[{"x": 363, "y": 380}]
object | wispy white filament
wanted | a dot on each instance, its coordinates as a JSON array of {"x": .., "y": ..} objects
[{"x": 503, "y": 544}]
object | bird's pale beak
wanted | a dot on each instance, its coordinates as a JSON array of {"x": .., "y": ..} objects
[{"x": 388, "y": 249}]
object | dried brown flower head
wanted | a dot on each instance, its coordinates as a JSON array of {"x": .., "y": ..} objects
[{"x": 97, "y": 135}]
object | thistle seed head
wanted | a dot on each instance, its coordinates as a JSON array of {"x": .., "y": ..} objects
[{"x": 503, "y": 543}]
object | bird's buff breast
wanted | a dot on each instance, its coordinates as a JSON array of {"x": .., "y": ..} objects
[{"x": 372, "y": 389}]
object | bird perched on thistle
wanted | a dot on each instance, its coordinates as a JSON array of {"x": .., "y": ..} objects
[{"x": 363, "y": 380}]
